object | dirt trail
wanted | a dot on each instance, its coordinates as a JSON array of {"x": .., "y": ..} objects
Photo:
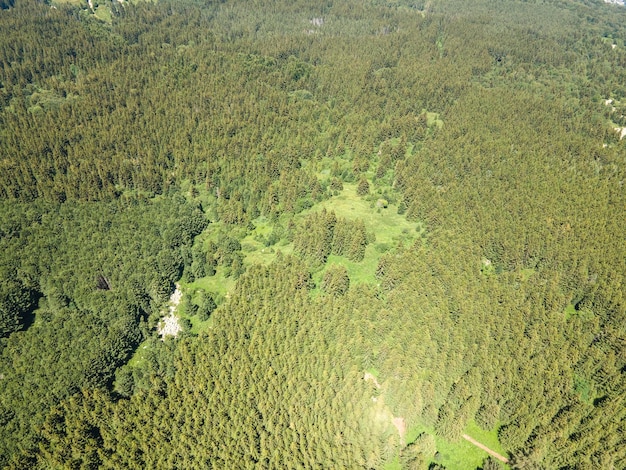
[{"x": 486, "y": 449}]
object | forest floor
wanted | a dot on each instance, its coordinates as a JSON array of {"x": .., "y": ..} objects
[{"x": 485, "y": 448}]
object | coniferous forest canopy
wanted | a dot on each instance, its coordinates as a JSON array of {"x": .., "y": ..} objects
[{"x": 393, "y": 223}]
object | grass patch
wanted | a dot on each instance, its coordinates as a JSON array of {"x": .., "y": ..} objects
[
  {"x": 570, "y": 311},
  {"x": 413, "y": 433},
  {"x": 219, "y": 285},
  {"x": 394, "y": 464},
  {"x": 389, "y": 230},
  {"x": 262, "y": 226},
  {"x": 139, "y": 358},
  {"x": 584, "y": 388},
  {"x": 432, "y": 119},
  {"x": 461, "y": 455},
  {"x": 583, "y": 313},
  {"x": 388, "y": 226},
  {"x": 487, "y": 268},
  {"x": 488, "y": 438},
  {"x": 77, "y": 3},
  {"x": 255, "y": 247},
  {"x": 265, "y": 255},
  {"x": 103, "y": 14},
  {"x": 197, "y": 325},
  {"x": 363, "y": 271}
]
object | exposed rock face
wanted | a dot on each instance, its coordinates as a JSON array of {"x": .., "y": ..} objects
[{"x": 169, "y": 326}]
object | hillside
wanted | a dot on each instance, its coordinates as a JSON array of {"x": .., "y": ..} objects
[{"x": 394, "y": 230}]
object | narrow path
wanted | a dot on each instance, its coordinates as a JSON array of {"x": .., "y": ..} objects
[{"x": 486, "y": 449}]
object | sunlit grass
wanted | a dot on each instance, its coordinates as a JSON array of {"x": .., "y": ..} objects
[
  {"x": 219, "y": 285},
  {"x": 461, "y": 455},
  {"x": 103, "y": 13},
  {"x": 389, "y": 229}
]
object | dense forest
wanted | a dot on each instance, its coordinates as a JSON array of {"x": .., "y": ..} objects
[{"x": 394, "y": 224}]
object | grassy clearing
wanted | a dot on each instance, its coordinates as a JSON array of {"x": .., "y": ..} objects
[
  {"x": 570, "y": 310},
  {"x": 103, "y": 14},
  {"x": 488, "y": 438},
  {"x": 386, "y": 224},
  {"x": 461, "y": 455},
  {"x": 389, "y": 230},
  {"x": 219, "y": 285},
  {"x": 363, "y": 271},
  {"x": 584, "y": 388},
  {"x": 265, "y": 255},
  {"x": 255, "y": 251},
  {"x": 139, "y": 358},
  {"x": 432, "y": 119},
  {"x": 197, "y": 325},
  {"x": 584, "y": 313},
  {"x": 71, "y": 2}
]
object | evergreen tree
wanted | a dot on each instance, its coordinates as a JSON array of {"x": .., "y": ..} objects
[
  {"x": 363, "y": 187},
  {"x": 336, "y": 280}
]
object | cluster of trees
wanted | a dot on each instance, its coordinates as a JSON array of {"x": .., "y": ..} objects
[
  {"x": 268, "y": 386},
  {"x": 510, "y": 313},
  {"x": 322, "y": 233},
  {"x": 336, "y": 280},
  {"x": 226, "y": 252},
  {"x": 95, "y": 276},
  {"x": 203, "y": 307}
]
